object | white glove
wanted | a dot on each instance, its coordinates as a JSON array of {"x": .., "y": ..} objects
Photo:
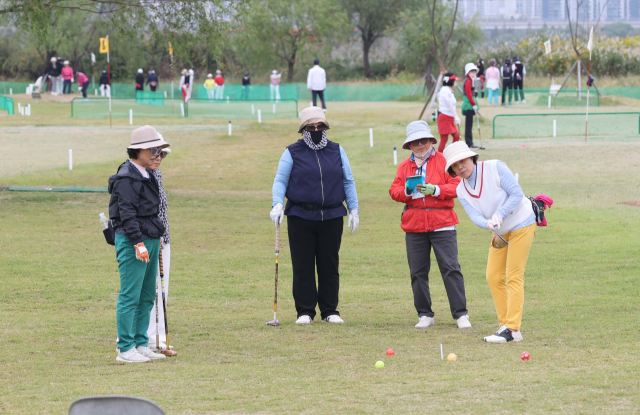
[
  {"x": 497, "y": 220},
  {"x": 457, "y": 120},
  {"x": 277, "y": 214},
  {"x": 72, "y": 80},
  {"x": 353, "y": 219},
  {"x": 492, "y": 226},
  {"x": 475, "y": 108}
]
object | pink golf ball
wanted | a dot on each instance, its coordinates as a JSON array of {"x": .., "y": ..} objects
[
  {"x": 390, "y": 352},
  {"x": 525, "y": 356}
]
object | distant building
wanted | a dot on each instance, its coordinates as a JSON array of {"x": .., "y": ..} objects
[{"x": 536, "y": 13}]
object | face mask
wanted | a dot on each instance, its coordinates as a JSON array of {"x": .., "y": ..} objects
[
  {"x": 472, "y": 76},
  {"x": 316, "y": 136}
]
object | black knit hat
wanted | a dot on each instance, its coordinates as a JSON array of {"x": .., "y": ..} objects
[{"x": 449, "y": 78}]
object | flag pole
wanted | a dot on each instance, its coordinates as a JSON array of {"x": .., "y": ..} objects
[
  {"x": 109, "y": 78},
  {"x": 171, "y": 65},
  {"x": 590, "y": 46}
]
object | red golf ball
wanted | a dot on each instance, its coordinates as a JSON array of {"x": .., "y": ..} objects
[
  {"x": 391, "y": 352},
  {"x": 525, "y": 356}
]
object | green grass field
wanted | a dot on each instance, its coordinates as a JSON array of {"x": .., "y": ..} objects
[{"x": 59, "y": 279}]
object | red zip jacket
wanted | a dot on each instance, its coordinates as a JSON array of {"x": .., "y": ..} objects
[{"x": 442, "y": 215}]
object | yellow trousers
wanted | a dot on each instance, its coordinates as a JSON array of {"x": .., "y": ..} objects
[{"x": 505, "y": 275}]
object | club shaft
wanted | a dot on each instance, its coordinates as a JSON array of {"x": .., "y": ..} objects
[{"x": 164, "y": 302}]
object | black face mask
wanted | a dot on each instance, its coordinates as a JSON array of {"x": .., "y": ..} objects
[{"x": 316, "y": 136}]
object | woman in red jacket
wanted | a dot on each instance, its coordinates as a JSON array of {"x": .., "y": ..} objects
[{"x": 429, "y": 221}]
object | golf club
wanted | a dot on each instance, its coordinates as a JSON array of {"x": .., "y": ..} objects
[
  {"x": 157, "y": 319},
  {"x": 167, "y": 351},
  {"x": 479, "y": 135},
  {"x": 275, "y": 321}
]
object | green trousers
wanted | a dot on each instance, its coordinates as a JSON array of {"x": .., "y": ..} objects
[{"x": 137, "y": 292}]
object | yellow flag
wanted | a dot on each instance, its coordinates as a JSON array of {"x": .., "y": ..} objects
[
  {"x": 104, "y": 45},
  {"x": 170, "y": 49}
]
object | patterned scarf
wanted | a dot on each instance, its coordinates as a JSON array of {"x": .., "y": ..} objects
[
  {"x": 306, "y": 136},
  {"x": 166, "y": 238}
]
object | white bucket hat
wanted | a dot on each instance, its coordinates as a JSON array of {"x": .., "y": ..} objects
[
  {"x": 53, "y": 59},
  {"x": 65, "y": 62},
  {"x": 312, "y": 115},
  {"x": 274, "y": 72},
  {"x": 456, "y": 152},
  {"x": 140, "y": 70},
  {"x": 147, "y": 137},
  {"x": 470, "y": 67},
  {"x": 417, "y": 130},
  {"x": 210, "y": 76},
  {"x": 191, "y": 72}
]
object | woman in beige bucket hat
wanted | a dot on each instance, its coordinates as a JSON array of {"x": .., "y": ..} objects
[
  {"x": 429, "y": 221},
  {"x": 493, "y": 200},
  {"x": 315, "y": 176},
  {"x": 133, "y": 210}
]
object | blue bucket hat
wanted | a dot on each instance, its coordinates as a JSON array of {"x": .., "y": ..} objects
[{"x": 417, "y": 130}]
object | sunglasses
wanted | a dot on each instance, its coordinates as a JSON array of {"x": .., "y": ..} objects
[
  {"x": 155, "y": 152},
  {"x": 318, "y": 127},
  {"x": 423, "y": 141}
]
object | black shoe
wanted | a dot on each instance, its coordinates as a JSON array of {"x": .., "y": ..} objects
[{"x": 474, "y": 147}]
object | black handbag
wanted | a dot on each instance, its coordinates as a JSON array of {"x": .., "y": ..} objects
[{"x": 110, "y": 233}]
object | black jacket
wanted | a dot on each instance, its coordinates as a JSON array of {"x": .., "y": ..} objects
[
  {"x": 140, "y": 81},
  {"x": 104, "y": 79},
  {"x": 152, "y": 77},
  {"x": 53, "y": 70},
  {"x": 135, "y": 203},
  {"x": 246, "y": 80}
]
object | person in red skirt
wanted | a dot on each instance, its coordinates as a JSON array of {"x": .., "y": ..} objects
[{"x": 448, "y": 120}]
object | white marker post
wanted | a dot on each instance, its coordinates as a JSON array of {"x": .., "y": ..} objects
[
  {"x": 182, "y": 108},
  {"x": 549, "y": 101},
  {"x": 311, "y": 103},
  {"x": 10, "y": 91},
  {"x": 28, "y": 110},
  {"x": 441, "y": 352},
  {"x": 70, "y": 159},
  {"x": 19, "y": 109},
  {"x": 165, "y": 94},
  {"x": 259, "y": 117},
  {"x": 227, "y": 99},
  {"x": 395, "y": 157},
  {"x": 554, "y": 128},
  {"x": 95, "y": 92},
  {"x": 274, "y": 108},
  {"x": 517, "y": 177},
  {"x": 229, "y": 127},
  {"x": 253, "y": 109},
  {"x": 130, "y": 117},
  {"x": 371, "y": 137}
]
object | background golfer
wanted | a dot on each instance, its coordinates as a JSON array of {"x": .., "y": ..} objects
[
  {"x": 134, "y": 208},
  {"x": 315, "y": 175},
  {"x": 494, "y": 200},
  {"x": 429, "y": 221}
]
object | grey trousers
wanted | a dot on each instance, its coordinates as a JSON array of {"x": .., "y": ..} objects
[{"x": 445, "y": 246}]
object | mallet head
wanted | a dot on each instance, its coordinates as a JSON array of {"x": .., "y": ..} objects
[{"x": 273, "y": 323}]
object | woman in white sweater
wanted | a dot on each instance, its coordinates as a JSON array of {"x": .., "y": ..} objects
[
  {"x": 494, "y": 200},
  {"x": 447, "y": 119}
]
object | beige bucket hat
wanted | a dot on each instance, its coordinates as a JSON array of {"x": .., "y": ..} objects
[
  {"x": 417, "y": 130},
  {"x": 456, "y": 152},
  {"x": 312, "y": 115},
  {"x": 147, "y": 137}
]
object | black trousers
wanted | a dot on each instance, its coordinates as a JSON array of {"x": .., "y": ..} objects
[
  {"x": 153, "y": 88},
  {"x": 445, "y": 246},
  {"x": 468, "y": 126},
  {"x": 518, "y": 84},
  {"x": 85, "y": 86},
  {"x": 317, "y": 94},
  {"x": 507, "y": 84},
  {"x": 315, "y": 243}
]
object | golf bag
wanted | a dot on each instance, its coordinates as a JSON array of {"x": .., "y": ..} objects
[{"x": 539, "y": 204}]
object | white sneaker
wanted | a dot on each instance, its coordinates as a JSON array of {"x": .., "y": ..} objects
[
  {"x": 463, "y": 322},
  {"x": 524, "y": 101},
  {"x": 504, "y": 335},
  {"x": 145, "y": 351},
  {"x": 303, "y": 320},
  {"x": 333, "y": 318},
  {"x": 132, "y": 356},
  {"x": 425, "y": 322}
]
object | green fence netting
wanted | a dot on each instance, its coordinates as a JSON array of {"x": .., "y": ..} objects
[
  {"x": 6, "y": 104},
  {"x": 7, "y": 88},
  {"x": 566, "y": 124},
  {"x": 82, "y": 189},
  {"x": 196, "y": 108},
  {"x": 150, "y": 98}
]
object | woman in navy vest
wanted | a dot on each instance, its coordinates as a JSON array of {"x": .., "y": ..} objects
[{"x": 315, "y": 175}]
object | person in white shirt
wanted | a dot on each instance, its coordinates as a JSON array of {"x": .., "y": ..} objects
[
  {"x": 317, "y": 83},
  {"x": 447, "y": 119},
  {"x": 275, "y": 86}
]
